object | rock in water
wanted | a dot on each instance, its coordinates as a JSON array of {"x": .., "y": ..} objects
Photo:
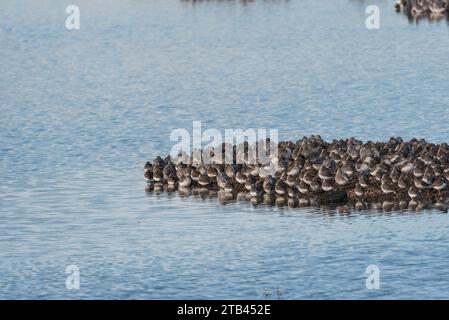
[{"x": 330, "y": 197}]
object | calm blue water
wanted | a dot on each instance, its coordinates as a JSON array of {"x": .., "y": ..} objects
[{"x": 81, "y": 111}]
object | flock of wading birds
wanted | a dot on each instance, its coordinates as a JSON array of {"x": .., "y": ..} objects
[
  {"x": 393, "y": 175},
  {"x": 433, "y": 9}
]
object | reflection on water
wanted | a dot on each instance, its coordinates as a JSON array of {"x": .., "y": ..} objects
[
  {"x": 82, "y": 110},
  {"x": 344, "y": 207},
  {"x": 432, "y": 17}
]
